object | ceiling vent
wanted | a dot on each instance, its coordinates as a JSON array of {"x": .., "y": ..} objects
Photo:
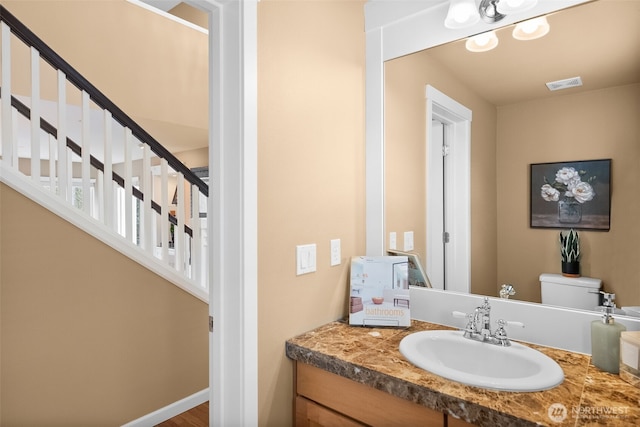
[{"x": 565, "y": 84}]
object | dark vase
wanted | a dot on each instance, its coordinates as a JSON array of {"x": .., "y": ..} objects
[{"x": 571, "y": 269}]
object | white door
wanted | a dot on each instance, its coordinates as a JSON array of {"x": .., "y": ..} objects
[
  {"x": 448, "y": 193},
  {"x": 435, "y": 206}
]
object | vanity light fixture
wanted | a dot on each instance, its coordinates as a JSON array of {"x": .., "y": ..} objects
[
  {"x": 531, "y": 29},
  {"x": 489, "y": 11},
  {"x": 462, "y": 13},
  {"x": 482, "y": 42},
  {"x": 515, "y": 6}
]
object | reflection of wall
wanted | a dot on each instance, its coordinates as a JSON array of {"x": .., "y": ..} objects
[
  {"x": 592, "y": 125},
  {"x": 405, "y": 112}
]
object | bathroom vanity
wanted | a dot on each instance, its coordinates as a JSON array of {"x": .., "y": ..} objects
[{"x": 352, "y": 376}]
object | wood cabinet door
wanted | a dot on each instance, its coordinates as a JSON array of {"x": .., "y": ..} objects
[{"x": 359, "y": 402}]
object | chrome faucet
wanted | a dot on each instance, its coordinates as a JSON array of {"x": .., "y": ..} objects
[
  {"x": 507, "y": 291},
  {"x": 478, "y": 326}
]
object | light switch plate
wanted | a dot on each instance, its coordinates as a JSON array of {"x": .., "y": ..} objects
[
  {"x": 305, "y": 259},
  {"x": 393, "y": 240},
  {"x": 408, "y": 240},
  {"x": 335, "y": 252}
]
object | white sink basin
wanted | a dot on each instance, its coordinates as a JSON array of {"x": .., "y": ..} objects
[{"x": 450, "y": 355}]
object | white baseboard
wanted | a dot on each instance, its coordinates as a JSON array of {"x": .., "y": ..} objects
[{"x": 170, "y": 411}]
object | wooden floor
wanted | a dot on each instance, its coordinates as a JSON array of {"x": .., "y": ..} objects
[{"x": 196, "y": 417}]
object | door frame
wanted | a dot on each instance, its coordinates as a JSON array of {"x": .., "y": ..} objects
[
  {"x": 232, "y": 211},
  {"x": 456, "y": 119}
]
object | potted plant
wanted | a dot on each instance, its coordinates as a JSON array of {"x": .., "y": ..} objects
[{"x": 570, "y": 253}]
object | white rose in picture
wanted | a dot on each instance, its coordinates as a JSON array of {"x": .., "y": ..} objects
[
  {"x": 568, "y": 176},
  {"x": 583, "y": 192},
  {"x": 549, "y": 193}
]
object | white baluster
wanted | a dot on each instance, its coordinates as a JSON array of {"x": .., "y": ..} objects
[
  {"x": 14, "y": 137},
  {"x": 86, "y": 153},
  {"x": 35, "y": 115},
  {"x": 147, "y": 190},
  {"x": 179, "y": 233},
  {"x": 128, "y": 185},
  {"x": 196, "y": 245},
  {"x": 164, "y": 209},
  {"x": 108, "y": 171},
  {"x": 63, "y": 184},
  {"x": 7, "y": 133},
  {"x": 100, "y": 196},
  {"x": 52, "y": 163}
]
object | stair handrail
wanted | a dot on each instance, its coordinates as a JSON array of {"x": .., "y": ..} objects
[
  {"x": 77, "y": 149},
  {"x": 56, "y": 61}
]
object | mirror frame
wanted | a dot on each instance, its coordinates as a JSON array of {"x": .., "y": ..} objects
[{"x": 394, "y": 29}]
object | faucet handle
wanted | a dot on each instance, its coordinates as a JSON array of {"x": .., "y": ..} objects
[
  {"x": 469, "y": 327},
  {"x": 502, "y": 323},
  {"x": 459, "y": 314},
  {"x": 501, "y": 333}
]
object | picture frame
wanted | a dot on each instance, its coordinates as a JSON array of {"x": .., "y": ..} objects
[
  {"x": 417, "y": 275},
  {"x": 571, "y": 194}
]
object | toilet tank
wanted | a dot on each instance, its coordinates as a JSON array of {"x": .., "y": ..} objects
[{"x": 573, "y": 292}]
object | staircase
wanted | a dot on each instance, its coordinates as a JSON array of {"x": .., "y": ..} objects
[{"x": 66, "y": 146}]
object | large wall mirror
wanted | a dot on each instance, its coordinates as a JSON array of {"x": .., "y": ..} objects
[{"x": 517, "y": 122}]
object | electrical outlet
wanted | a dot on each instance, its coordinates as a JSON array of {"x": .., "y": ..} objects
[
  {"x": 393, "y": 240},
  {"x": 408, "y": 240}
]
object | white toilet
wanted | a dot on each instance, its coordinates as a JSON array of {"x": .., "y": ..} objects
[{"x": 572, "y": 292}]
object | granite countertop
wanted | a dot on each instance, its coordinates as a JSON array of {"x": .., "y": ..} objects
[{"x": 587, "y": 396}]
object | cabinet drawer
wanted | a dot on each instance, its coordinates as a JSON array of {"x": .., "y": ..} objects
[
  {"x": 310, "y": 414},
  {"x": 360, "y": 402}
]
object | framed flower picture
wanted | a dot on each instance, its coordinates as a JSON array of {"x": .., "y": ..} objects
[{"x": 571, "y": 195}]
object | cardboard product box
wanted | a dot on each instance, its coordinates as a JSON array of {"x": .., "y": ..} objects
[
  {"x": 379, "y": 291},
  {"x": 630, "y": 357}
]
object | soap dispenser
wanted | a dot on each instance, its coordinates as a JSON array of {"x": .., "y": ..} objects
[{"x": 605, "y": 338}]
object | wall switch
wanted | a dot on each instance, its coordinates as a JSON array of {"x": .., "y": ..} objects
[
  {"x": 393, "y": 240},
  {"x": 408, "y": 240},
  {"x": 335, "y": 252},
  {"x": 305, "y": 259}
]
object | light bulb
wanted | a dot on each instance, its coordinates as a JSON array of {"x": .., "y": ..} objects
[
  {"x": 531, "y": 29},
  {"x": 515, "y": 6},
  {"x": 462, "y": 13},
  {"x": 482, "y": 42},
  {"x": 482, "y": 39}
]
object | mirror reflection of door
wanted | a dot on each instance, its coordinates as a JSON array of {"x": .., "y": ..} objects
[
  {"x": 448, "y": 264},
  {"x": 436, "y": 195}
]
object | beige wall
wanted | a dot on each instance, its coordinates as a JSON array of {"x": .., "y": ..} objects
[
  {"x": 599, "y": 124},
  {"x": 310, "y": 175},
  {"x": 405, "y": 112},
  {"x": 88, "y": 337}
]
